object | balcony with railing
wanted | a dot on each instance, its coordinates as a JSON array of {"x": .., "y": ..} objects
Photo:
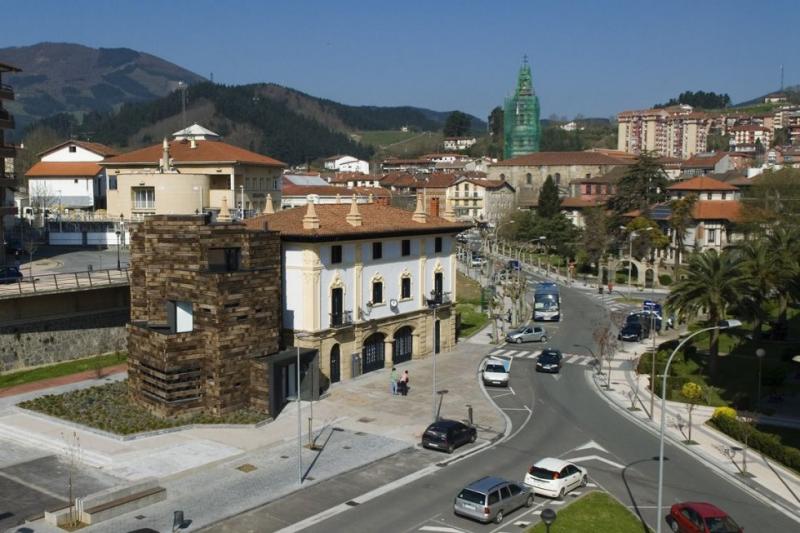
[
  {"x": 341, "y": 319},
  {"x": 438, "y": 299}
]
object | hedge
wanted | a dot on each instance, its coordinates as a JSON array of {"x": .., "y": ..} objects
[
  {"x": 665, "y": 279},
  {"x": 768, "y": 444}
]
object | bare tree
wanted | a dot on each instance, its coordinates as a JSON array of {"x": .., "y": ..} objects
[
  {"x": 41, "y": 199},
  {"x": 72, "y": 452},
  {"x": 606, "y": 342}
]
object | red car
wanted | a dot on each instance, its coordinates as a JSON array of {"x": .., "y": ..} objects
[{"x": 697, "y": 517}]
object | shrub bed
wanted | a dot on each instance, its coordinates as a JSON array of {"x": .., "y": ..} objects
[
  {"x": 109, "y": 407},
  {"x": 768, "y": 444}
]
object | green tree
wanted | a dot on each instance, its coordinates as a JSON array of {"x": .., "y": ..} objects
[
  {"x": 784, "y": 246},
  {"x": 781, "y": 137},
  {"x": 773, "y": 198},
  {"x": 680, "y": 221},
  {"x": 644, "y": 184},
  {"x": 693, "y": 393},
  {"x": 761, "y": 275},
  {"x": 596, "y": 236},
  {"x": 713, "y": 282},
  {"x": 549, "y": 202},
  {"x": 716, "y": 142},
  {"x": 35, "y": 140},
  {"x": 457, "y": 124},
  {"x": 648, "y": 236}
]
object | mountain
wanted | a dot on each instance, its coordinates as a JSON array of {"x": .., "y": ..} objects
[
  {"x": 793, "y": 92},
  {"x": 64, "y": 77}
]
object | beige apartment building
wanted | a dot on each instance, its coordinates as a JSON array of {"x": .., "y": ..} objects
[
  {"x": 191, "y": 174},
  {"x": 675, "y": 131}
]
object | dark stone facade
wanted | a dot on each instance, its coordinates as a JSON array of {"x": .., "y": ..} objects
[{"x": 229, "y": 278}]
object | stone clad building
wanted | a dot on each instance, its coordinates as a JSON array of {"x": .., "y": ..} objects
[{"x": 205, "y": 314}]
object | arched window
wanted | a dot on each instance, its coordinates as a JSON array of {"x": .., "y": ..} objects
[
  {"x": 558, "y": 178},
  {"x": 502, "y": 177},
  {"x": 529, "y": 178}
]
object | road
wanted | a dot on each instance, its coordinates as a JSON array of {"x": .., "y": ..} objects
[{"x": 570, "y": 421}]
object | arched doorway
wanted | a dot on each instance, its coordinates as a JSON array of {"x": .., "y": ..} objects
[
  {"x": 372, "y": 354},
  {"x": 403, "y": 345},
  {"x": 335, "y": 364},
  {"x": 649, "y": 278}
]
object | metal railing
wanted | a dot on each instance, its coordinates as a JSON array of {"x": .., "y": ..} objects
[
  {"x": 439, "y": 298},
  {"x": 66, "y": 281},
  {"x": 341, "y": 319}
]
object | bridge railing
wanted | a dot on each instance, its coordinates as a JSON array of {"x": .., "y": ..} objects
[{"x": 63, "y": 281}]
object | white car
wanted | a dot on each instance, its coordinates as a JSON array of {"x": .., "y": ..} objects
[
  {"x": 495, "y": 372},
  {"x": 555, "y": 477}
]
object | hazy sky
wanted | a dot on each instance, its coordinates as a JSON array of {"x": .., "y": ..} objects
[{"x": 595, "y": 58}]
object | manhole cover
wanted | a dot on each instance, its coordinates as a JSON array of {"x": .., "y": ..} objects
[
  {"x": 346, "y": 447},
  {"x": 246, "y": 468},
  {"x": 366, "y": 419},
  {"x": 310, "y": 478},
  {"x": 351, "y": 503},
  {"x": 338, "y": 429},
  {"x": 139, "y": 517},
  {"x": 360, "y": 433},
  {"x": 284, "y": 456}
]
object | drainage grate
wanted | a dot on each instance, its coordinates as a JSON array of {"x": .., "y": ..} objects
[
  {"x": 246, "y": 468},
  {"x": 351, "y": 503},
  {"x": 366, "y": 419},
  {"x": 309, "y": 478},
  {"x": 346, "y": 447},
  {"x": 338, "y": 429},
  {"x": 139, "y": 517},
  {"x": 284, "y": 456},
  {"x": 360, "y": 433}
]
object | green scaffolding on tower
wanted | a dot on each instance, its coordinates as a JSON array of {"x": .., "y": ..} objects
[{"x": 521, "y": 131}]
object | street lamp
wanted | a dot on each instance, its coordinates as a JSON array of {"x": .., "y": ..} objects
[
  {"x": 433, "y": 303},
  {"x": 298, "y": 335},
  {"x": 760, "y": 353},
  {"x": 548, "y": 517},
  {"x": 725, "y": 324},
  {"x": 119, "y": 233},
  {"x": 241, "y": 202},
  {"x": 631, "y": 235}
]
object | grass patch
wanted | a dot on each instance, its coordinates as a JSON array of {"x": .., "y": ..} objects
[
  {"x": 597, "y": 511},
  {"x": 472, "y": 319},
  {"x": 467, "y": 289},
  {"x": 788, "y": 436},
  {"x": 109, "y": 407},
  {"x": 61, "y": 369}
]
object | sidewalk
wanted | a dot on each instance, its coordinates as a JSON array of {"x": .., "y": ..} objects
[
  {"x": 360, "y": 419},
  {"x": 768, "y": 479}
]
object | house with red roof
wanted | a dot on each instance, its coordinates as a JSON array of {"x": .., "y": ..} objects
[
  {"x": 195, "y": 172},
  {"x": 68, "y": 178}
]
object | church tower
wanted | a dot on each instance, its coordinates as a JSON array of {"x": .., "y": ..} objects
[{"x": 521, "y": 117}]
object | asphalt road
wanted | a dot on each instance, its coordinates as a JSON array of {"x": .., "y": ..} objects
[{"x": 570, "y": 421}]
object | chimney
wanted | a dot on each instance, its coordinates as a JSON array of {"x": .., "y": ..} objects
[
  {"x": 164, "y": 163},
  {"x": 338, "y": 198},
  {"x": 433, "y": 210},
  {"x": 224, "y": 213},
  {"x": 419, "y": 214},
  {"x": 371, "y": 198},
  {"x": 192, "y": 143},
  {"x": 269, "y": 209},
  {"x": 310, "y": 220},
  {"x": 354, "y": 218}
]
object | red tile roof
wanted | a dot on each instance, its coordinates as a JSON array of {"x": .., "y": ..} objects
[
  {"x": 563, "y": 159},
  {"x": 437, "y": 180},
  {"x": 702, "y": 183},
  {"x": 398, "y": 179},
  {"x": 344, "y": 177},
  {"x": 730, "y": 210},
  {"x": 290, "y": 189},
  {"x": 54, "y": 169},
  {"x": 578, "y": 203},
  {"x": 704, "y": 160},
  {"x": 181, "y": 152},
  {"x": 377, "y": 220},
  {"x": 98, "y": 148}
]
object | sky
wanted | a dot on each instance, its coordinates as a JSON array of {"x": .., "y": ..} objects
[{"x": 591, "y": 58}]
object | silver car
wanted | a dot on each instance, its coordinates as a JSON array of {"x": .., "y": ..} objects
[
  {"x": 491, "y": 498},
  {"x": 527, "y": 334}
]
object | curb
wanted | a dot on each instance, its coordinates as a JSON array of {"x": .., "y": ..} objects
[{"x": 757, "y": 494}]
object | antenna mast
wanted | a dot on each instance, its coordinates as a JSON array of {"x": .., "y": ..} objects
[{"x": 182, "y": 86}]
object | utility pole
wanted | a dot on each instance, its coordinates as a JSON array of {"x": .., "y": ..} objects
[{"x": 653, "y": 369}]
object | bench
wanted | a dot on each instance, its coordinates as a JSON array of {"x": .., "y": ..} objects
[{"x": 122, "y": 505}]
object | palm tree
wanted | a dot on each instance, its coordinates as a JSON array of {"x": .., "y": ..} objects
[
  {"x": 679, "y": 221},
  {"x": 784, "y": 247},
  {"x": 756, "y": 262},
  {"x": 713, "y": 282}
]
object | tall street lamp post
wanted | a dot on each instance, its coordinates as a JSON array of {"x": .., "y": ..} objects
[
  {"x": 433, "y": 303},
  {"x": 760, "y": 353},
  {"x": 298, "y": 335},
  {"x": 725, "y": 324}
]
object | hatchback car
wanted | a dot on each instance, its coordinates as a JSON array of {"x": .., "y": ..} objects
[
  {"x": 555, "y": 477},
  {"x": 698, "y": 517},
  {"x": 10, "y": 274},
  {"x": 527, "y": 334},
  {"x": 448, "y": 435},
  {"x": 632, "y": 332},
  {"x": 495, "y": 372},
  {"x": 549, "y": 361},
  {"x": 647, "y": 318},
  {"x": 491, "y": 499}
]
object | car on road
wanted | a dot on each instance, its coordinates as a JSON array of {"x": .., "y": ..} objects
[
  {"x": 490, "y": 499},
  {"x": 514, "y": 265},
  {"x": 633, "y": 332},
  {"x": 646, "y": 318},
  {"x": 10, "y": 274},
  {"x": 527, "y": 334},
  {"x": 477, "y": 261},
  {"x": 700, "y": 517},
  {"x": 555, "y": 477},
  {"x": 549, "y": 360},
  {"x": 495, "y": 372},
  {"x": 448, "y": 435}
]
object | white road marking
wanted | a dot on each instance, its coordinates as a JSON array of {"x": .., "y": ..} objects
[
  {"x": 591, "y": 485},
  {"x": 568, "y": 358},
  {"x": 589, "y": 445},
  {"x": 442, "y": 529},
  {"x": 515, "y": 409},
  {"x": 596, "y": 458}
]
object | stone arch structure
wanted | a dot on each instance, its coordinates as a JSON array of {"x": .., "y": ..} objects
[{"x": 646, "y": 273}]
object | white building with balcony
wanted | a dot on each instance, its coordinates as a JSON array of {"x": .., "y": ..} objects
[{"x": 367, "y": 285}]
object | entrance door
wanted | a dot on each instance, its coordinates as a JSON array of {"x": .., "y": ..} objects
[
  {"x": 372, "y": 355},
  {"x": 436, "y": 333},
  {"x": 402, "y": 345},
  {"x": 335, "y": 369},
  {"x": 336, "y": 307}
]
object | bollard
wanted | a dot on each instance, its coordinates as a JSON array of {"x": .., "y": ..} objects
[
  {"x": 177, "y": 521},
  {"x": 469, "y": 414}
]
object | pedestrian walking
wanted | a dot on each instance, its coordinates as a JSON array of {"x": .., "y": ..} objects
[
  {"x": 508, "y": 316},
  {"x": 394, "y": 378},
  {"x": 404, "y": 383}
]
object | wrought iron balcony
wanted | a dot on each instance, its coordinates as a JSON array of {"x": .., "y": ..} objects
[
  {"x": 438, "y": 299},
  {"x": 341, "y": 319}
]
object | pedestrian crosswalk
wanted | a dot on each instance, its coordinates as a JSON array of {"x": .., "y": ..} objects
[{"x": 569, "y": 358}]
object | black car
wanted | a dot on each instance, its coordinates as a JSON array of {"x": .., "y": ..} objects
[
  {"x": 10, "y": 274},
  {"x": 549, "y": 361},
  {"x": 633, "y": 332},
  {"x": 646, "y": 318},
  {"x": 448, "y": 435}
]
